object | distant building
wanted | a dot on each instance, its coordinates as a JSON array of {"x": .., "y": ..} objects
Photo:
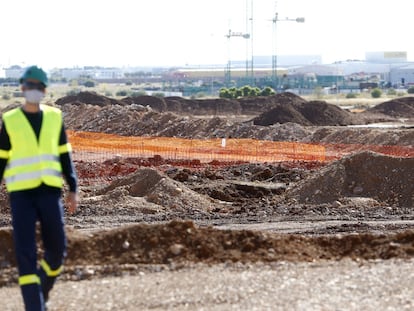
[
  {"x": 386, "y": 57},
  {"x": 287, "y": 60},
  {"x": 13, "y": 72},
  {"x": 402, "y": 75},
  {"x": 101, "y": 73}
]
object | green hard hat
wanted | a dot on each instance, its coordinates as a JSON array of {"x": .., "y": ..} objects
[{"x": 36, "y": 73}]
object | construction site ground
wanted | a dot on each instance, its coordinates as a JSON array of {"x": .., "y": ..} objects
[{"x": 328, "y": 226}]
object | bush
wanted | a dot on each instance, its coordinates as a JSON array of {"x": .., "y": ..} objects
[
  {"x": 138, "y": 93},
  {"x": 89, "y": 83},
  {"x": 267, "y": 91},
  {"x": 121, "y": 93},
  {"x": 410, "y": 90},
  {"x": 225, "y": 93},
  {"x": 392, "y": 92},
  {"x": 245, "y": 91},
  {"x": 351, "y": 95},
  {"x": 72, "y": 92},
  {"x": 158, "y": 94},
  {"x": 376, "y": 93}
]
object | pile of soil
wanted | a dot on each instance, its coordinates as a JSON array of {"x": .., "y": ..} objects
[
  {"x": 182, "y": 242},
  {"x": 87, "y": 97},
  {"x": 400, "y": 108},
  {"x": 217, "y": 106},
  {"x": 387, "y": 180},
  {"x": 308, "y": 113},
  {"x": 279, "y": 108},
  {"x": 345, "y": 137},
  {"x": 282, "y": 117}
]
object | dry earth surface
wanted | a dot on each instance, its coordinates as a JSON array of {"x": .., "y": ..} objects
[{"x": 154, "y": 233}]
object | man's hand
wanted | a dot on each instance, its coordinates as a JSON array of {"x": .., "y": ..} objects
[{"x": 72, "y": 202}]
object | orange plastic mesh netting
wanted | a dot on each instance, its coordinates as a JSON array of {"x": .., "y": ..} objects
[{"x": 93, "y": 145}]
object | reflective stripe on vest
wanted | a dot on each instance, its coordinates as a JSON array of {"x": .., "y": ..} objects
[
  {"x": 29, "y": 279},
  {"x": 49, "y": 272},
  {"x": 65, "y": 148},
  {"x": 4, "y": 154},
  {"x": 32, "y": 175},
  {"x": 32, "y": 160}
]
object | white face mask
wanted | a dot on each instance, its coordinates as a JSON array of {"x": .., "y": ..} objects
[{"x": 33, "y": 96}]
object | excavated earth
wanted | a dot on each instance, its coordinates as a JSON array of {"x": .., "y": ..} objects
[{"x": 156, "y": 211}]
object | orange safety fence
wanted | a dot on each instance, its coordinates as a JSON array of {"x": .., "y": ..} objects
[
  {"x": 337, "y": 151},
  {"x": 100, "y": 146}
]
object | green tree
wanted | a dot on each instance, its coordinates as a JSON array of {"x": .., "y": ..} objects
[
  {"x": 238, "y": 93},
  {"x": 410, "y": 90},
  {"x": 255, "y": 91},
  {"x": 245, "y": 90},
  {"x": 267, "y": 91},
  {"x": 225, "y": 93}
]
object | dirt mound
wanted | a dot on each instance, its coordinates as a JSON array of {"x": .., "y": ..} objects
[
  {"x": 400, "y": 107},
  {"x": 213, "y": 106},
  {"x": 368, "y": 137},
  {"x": 156, "y": 103},
  {"x": 224, "y": 106},
  {"x": 136, "y": 120},
  {"x": 361, "y": 175},
  {"x": 306, "y": 113},
  {"x": 146, "y": 191},
  {"x": 182, "y": 241},
  {"x": 179, "y": 105},
  {"x": 285, "y": 117},
  {"x": 88, "y": 98}
]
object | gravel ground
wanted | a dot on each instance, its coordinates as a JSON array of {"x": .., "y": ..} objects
[{"x": 341, "y": 285}]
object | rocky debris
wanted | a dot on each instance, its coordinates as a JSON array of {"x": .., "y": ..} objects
[
  {"x": 155, "y": 103},
  {"x": 387, "y": 180},
  {"x": 183, "y": 242},
  {"x": 146, "y": 191}
]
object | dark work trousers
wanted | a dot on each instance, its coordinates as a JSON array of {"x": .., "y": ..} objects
[{"x": 28, "y": 207}]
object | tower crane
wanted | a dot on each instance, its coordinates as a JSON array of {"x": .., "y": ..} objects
[
  {"x": 274, "y": 20},
  {"x": 229, "y": 35}
]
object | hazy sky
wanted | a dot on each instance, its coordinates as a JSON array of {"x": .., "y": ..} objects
[{"x": 63, "y": 33}]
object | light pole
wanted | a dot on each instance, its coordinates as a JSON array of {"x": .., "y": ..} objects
[{"x": 274, "y": 55}]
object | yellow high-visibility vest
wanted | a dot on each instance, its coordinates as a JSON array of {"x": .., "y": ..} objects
[{"x": 33, "y": 161}]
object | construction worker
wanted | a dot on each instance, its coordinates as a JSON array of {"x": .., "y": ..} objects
[{"x": 34, "y": 157}]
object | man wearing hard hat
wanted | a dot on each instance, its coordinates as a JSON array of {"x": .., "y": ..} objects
[{"x": 34, "y": 157}]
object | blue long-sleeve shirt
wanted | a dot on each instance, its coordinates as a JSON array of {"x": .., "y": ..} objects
[{"x": 35, "y": 120}]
